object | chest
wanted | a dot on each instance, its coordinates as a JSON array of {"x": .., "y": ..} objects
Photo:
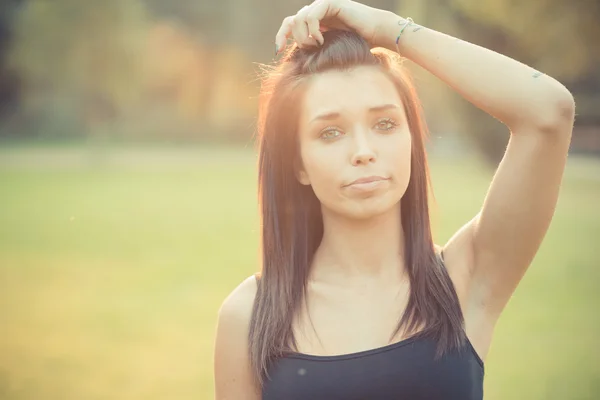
[
  {"x": 404, "y": 370},
  {"x": 343, "y": 322}
]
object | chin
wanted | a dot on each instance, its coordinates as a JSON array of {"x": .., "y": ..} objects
[{"x": 371, "y": 207}]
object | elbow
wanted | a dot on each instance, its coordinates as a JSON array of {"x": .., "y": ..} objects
[
  {"x": 554, "y": 115},
  {"x": 558, "y": 115},
  {"x": 565, "y": 108}
]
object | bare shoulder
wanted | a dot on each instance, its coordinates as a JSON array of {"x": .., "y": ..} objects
[
  {"x": 238, "y": 304},
  {"x": 233, "y": 375}
]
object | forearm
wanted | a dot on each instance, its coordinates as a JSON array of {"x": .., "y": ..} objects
[{"x": 510, "y": 91}]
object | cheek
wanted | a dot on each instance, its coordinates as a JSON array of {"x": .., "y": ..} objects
[
  {"x": 323, "y": 171},
  {"x": 400, "y": 152},
  {"x": 399, "y": 157}
]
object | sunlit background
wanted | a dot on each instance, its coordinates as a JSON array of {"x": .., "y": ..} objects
[{"x": 128, "y": 206}]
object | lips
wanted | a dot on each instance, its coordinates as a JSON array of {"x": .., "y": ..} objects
[{"x": 367, "y": 179}]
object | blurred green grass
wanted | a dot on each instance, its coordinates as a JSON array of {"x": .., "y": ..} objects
[{"x": 112, "y": 270}]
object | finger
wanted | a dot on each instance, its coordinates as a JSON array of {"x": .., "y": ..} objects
[
  {"x": 320, "y": 10},
  {"x": 285, "y": 30},
  {"x": 313, "y": 28},
  {"x": 300, "y": 34},
  {"x": 300, "y": 30}
]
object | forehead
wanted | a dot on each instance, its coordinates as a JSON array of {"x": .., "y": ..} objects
[{"x": 348, "y": 91}]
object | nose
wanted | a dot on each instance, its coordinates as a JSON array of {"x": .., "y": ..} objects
[{"x": 363, "y": 152}]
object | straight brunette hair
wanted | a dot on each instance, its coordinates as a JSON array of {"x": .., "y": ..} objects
[{"x": 291, "y": 220}]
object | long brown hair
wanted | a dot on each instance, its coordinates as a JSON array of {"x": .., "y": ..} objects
[{"x": 291, "y": 220}]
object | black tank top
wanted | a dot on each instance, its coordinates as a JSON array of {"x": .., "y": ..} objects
[{"x": 402, "y": 370}]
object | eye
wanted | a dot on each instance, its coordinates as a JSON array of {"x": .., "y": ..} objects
[
  {"x": 386, "y": 124},
  {"x": 330, "y": 133}
]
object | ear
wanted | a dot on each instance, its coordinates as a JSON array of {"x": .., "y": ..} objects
[
  {"x": 303, "y": 177},
  {"x": 301, "y": 174}
]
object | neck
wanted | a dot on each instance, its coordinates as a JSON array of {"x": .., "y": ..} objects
[{"x": 361, "y": 249}]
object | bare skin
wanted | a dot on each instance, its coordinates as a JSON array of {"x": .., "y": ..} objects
[{"x": 359, "y": 265}]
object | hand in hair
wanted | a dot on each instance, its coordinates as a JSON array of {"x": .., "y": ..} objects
[{"x": 322, "y": 15}]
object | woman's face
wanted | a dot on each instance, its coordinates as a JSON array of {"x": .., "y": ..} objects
[{"x": 352, "y": 126}]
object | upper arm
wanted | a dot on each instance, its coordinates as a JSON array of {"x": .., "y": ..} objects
[
  {"x": 500, "y": 242},
  {"x": 234, "y": 378}
]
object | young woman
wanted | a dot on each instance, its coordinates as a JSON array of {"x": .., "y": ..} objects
[{"x": 354, "y": 300}]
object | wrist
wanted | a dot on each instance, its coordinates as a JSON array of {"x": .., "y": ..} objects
[{"x": 388, "y": 30}]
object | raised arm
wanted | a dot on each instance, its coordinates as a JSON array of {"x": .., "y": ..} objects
[
  {"x": 514, "y": 93},
  {"x": 499, "y": 243}
]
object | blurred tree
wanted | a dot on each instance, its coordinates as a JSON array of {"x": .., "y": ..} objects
[
  {"x": 250, "y": 25},
  {"x": 97, "y": 61},
  {"x": 84, "y": 53},
  {"x": 8, "y": 80},
  {"x": 190, "y": 83}
]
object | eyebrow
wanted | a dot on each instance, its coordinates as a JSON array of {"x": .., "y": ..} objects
[{"x": 334, "y": 115}]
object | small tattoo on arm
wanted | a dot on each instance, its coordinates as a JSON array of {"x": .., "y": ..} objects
[
  {"x": 537, "y": 74},
  {"x": 417, "y": 28}
]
